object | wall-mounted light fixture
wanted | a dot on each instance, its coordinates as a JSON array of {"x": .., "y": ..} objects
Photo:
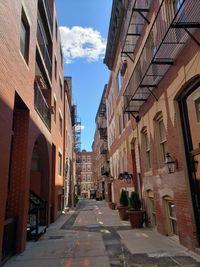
[
  {"x": 171, "y": 163},
  {"x": 126, "y": 177}
]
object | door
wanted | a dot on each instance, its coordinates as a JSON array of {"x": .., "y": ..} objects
[{"x": 189, "y": 104}]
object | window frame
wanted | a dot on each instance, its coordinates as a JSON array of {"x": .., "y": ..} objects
[
  {"x": 146, "y": 149},
  {"x": 162, "y": 143},
  {"x": 24, "y": 21},
  {"x": 54, "y": 107},
  {"x": 60, "y": 123},
  {"x": 172, "y": 227},
  {"x": 59, "y": 163}
]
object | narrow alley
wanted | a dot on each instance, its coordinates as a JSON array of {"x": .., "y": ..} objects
[{"x": 93, "y": 235}]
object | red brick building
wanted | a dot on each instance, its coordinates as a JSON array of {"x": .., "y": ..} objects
[
  {"x": 85, "y": 164},
  {"x": 153, "y": 54},
  {"x": 33, "y": 105}
]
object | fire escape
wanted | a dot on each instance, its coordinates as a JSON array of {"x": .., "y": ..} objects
[
  {"x": 101, "y": 121},
  {"x": 175, "y": 22},
  {"x": 76, "y": 123}
]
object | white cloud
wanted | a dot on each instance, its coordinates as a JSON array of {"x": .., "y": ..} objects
[
  {"x": 80, "y": 127},
  {"x": 79, "y": 42}
]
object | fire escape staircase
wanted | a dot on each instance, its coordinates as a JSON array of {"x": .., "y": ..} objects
[{"x": 169, "y": 33}]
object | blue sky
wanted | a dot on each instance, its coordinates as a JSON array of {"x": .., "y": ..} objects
[{"x": 84, "y": 29}]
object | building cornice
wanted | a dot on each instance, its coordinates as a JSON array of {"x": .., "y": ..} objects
[{"x": 116, "y": 21}]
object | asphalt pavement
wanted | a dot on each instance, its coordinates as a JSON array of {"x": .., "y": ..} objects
[{"x": 92, "y": 235}]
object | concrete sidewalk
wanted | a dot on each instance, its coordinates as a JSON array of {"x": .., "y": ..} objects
[{"x": 94, "y": 236}]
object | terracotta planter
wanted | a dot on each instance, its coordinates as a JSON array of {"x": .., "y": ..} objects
[
  {"x": 136, "y": 218},
  {"x": 111, "y": 205},
  {"x": 123, "y": 213}
]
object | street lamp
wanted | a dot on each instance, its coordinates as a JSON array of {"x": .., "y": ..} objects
[{"x": 171, "y": 163}]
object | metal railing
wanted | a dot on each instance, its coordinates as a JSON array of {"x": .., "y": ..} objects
[
  {"x": 171, "y": 29},
  {"x": 37, "y": 222},
  {"x": 41, "y": 105},
  {"x": 135, "y": 26},
  {"x": 48, "y": 10},
  {"x": 44, "y": 49},
  {"x": 105, "y": 169},
  {"x": 9, "y": 238},
  {"x": 103, "y": 133}
]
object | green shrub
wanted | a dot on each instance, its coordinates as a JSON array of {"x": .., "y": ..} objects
[
  {"x": 75, "y": 200},
  {"x": 135, "y": 202},
  {"x": 123, "y": 198}
]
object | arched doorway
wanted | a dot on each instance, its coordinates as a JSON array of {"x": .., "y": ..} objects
[
  {"x": 39, "y": 189},
  {"x": 189, "y": 105}
]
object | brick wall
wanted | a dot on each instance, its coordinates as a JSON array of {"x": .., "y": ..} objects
[{"x": 18, "y": 76}]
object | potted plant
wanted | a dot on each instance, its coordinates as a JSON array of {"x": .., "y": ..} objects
[
  {"x": 122, "y": 209},
  {"x": 136, "y": 215}
]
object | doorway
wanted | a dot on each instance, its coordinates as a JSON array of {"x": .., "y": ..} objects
[{"x": 189, "y": 105}]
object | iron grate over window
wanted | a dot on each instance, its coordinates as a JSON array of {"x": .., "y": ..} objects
[{"x": 170, "y": 31}]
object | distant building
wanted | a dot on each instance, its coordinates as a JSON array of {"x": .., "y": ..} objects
[{"x": 84, "y": 164}]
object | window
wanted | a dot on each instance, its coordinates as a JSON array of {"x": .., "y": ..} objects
[
  {"x": 88, "y": 159},
  {"x": 119, "y": 81},
  {"x": 60, "y": 90},
  {"x": 55, "y": 68},
  {"x": 88, "y": 177},
  {"x": 24, "y": 36},
  {"x": 151, "y": 207},
  {"x": 162, "y": 139},
  {"x": 89, "y": 168},
  {"x": 84, "y": 167},
  {"x": 59, "y": 163},
  {"x": 83, "y": 159},
  {"x": 54, "y": 109},
  {"x": 60, "y": 123},
  {"x": 83, "y": 178},
  {"x": 146, "y": 149},
  {"x": 171, "y": 216},
  {"x": 177, "y": 4}
]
